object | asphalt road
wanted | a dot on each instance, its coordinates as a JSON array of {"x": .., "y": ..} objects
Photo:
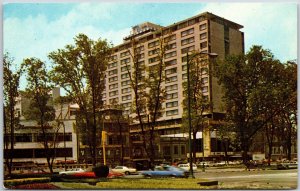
[{"x": 259, "y": 179}]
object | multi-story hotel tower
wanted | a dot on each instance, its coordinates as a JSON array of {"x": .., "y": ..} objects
[{"x": 205, "y": 33}]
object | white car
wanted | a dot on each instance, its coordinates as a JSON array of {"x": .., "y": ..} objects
[
  {"x": 124, "y": 169},
  {"x": 71, "y": 171},
  {"x": 187, "y": 166}
]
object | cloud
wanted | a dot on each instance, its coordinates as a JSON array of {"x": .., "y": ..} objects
[
  {"x": 38, "y": 36},
  {"x": 273, "y": 25}
]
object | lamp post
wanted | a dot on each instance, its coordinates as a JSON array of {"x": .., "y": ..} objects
[{"x": 189, "y": 106}]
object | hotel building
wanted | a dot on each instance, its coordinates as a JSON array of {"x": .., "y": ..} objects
[{"x": 206, "y": 33}]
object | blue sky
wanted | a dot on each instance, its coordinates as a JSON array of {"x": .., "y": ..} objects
[{"x": 35, "y": 29}]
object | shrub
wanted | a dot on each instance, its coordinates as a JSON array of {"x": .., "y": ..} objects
[
  {"x": 36, "y": 186},
  {"x": 101, "y": 171},
  {"x": 15, "y": 182}
]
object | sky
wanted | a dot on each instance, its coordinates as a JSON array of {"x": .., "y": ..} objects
[{"x": 36, "y": 29}]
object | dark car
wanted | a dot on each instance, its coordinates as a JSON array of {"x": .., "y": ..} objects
[{"x": 166, "y": 171}]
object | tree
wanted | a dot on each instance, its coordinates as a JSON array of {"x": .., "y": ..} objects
[
  {"x": 288, "y": 101},
  {"x": 241, "y": 79},
  {"x": 11, "y": 119},
  {"x": 41, "y": 110},
  {"x": 149, "y": 93},
  {"x": 199, "y": 103},
  {"x": 80, "y": 70}
]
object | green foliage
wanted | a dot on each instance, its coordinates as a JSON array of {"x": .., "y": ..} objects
[
  {"x": 80, "y": 70},
  {"x": 253, "y": 86},
  {"x": 41, "y": 108},
  {"x": 11, "y": 80}
]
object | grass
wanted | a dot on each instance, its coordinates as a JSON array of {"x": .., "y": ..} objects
[{"x": 162, "y": 183}]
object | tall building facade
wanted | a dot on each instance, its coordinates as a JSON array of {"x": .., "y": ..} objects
[{"x": 204, "y": 33}]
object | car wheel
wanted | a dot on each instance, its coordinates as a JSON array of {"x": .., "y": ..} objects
[
  {"x": 172, "y": 176},
  {"x": 147, "y": 176},
  {"x": 127, "y": 173},
  {"x": 63, "y": 174}
]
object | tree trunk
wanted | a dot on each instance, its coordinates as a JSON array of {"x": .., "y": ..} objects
[
  {"x": 194, "y": 147},
  {"x": 225, "y": 144}
]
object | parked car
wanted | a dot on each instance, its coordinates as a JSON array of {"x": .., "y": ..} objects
[
  {"x": 91, "y": 174},
  {"x": 71, "y": 171},
  {"x": 36, "y": 171},
  {"x": 287, "y": 165},
  {"x": 166, "y": 171},
  {"x": 124, "y": 169},
  {"x": 187, "y": 166}
]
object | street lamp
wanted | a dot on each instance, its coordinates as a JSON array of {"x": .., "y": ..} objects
[{"x": 189, "y": 105}]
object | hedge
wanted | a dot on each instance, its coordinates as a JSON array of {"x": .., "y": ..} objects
[{"x": 15, "y": 182}]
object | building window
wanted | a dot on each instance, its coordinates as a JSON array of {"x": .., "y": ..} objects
[
  {"x": 172, "y": 112},
  {"x": 203, "y": 36},
  {"x": 124, "y": 76},
  {"x": 104, "y": 95},
  {"x": 125, "y": 68},
  {"x": 202, "y": 27},
  {"x": 204, "y": 80},
  {"x": 171, "y": 62},
  {"x": 170, "y": 38},
  {"x": 175, "y": 150},
  {"x": 204, "y": 89},
  {"x": 113, "y": 79},
  {"x": 204, "y": 71},
  {"x": 127, "y": 97},
  {"x": 126, "y": 112},
  {"x": 125, "y": 83},
  {"x": 112, "y": 65},
  {"x": 113, "y": 93},
  {"x": 171, "y": 71},
  {"x": 172, "y": 96},
  {"x": 114, "y": 57},
  {"x": 171, "y": 87},
  {"x": 23, "y": 137},
  {"x": 167, "y": 150},
  {"x": 170, "y": 46},
  {"x": 140, "y": 56},
  {"x": 203, "y": 45},
  {"x": 153, "y": 44},
  {"x": 152, "y": 52},
  {"x": 126, "y": 90},
  {"x": 183, "y": 59},
  {"x": 187, "y": 41},
  {"x": 113, "y": 72},
  {"x": 184, "y": 76},
  {"x": 126, "y": 53},
  {"x": 170, "y": 54},
  {"x": 182, "y": 149},
  {"x": 125, "y": 105},
  {"x": 184, "y": 67},
  {"x": 125, "y": 61},
  {"x": 139, "y": 49},
  {"x": 187, "y": 32},
  {"x": 172, "y": 104},
  {"x": 187, "y": 49},
  {"x": 152, "y": 60},
  {"x": 113, "y": 86},
  {"x": 171, "y": 79},
  {"x": 114, "y": 101}
]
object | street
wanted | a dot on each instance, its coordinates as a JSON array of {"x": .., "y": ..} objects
[{"x": 258, "y": 179}]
